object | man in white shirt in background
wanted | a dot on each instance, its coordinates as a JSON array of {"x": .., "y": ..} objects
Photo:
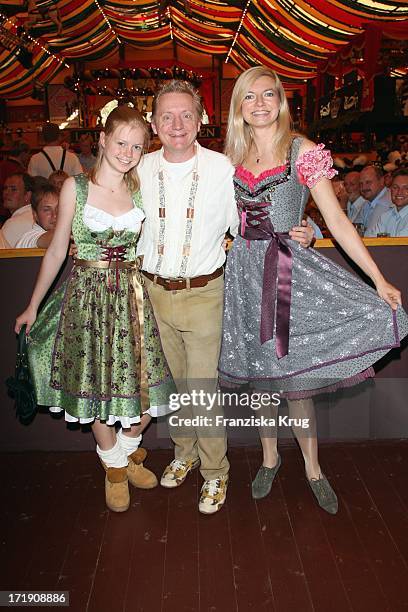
[
  {"x": 188, "y": 199},
  {"x": 53, "y": 156},
  {"x": 355, "y": 200},
  {"x": 394, "y": 222},
  {"x": 15, "y": 161},
  {"x": 17, "y": 192},
  {"x": 377, "y": 195},
  {"x": 44, "y": 202}
]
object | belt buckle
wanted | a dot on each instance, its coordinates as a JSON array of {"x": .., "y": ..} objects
[{"x": 170, "y": 282}]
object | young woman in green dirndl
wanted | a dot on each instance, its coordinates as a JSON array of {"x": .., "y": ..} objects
[{"x": 94, "y": 349}]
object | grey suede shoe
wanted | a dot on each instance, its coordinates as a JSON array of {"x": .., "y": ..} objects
[
  {"x": 262, "y": 483},
  {"x": 324, "y": 494}
]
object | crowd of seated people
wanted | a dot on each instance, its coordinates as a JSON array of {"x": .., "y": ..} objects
[
  {"x": 16, "y": 160},
  {"x": 377, "y": 196},
  {"x": 394, "y": 221},
  {"x": 30, "y": 187},
  {"x": 372, "y": 194},
  {"x": 355, "y": 200},
  {"x": 17, "y": 191},
  {"x": 44, "y": 204},
  {"x": 33, "y": 204}
]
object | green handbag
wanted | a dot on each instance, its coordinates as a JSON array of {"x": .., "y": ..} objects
[{"x": 20, "y": 386}]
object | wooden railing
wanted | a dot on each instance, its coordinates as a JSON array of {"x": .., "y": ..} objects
[{"x": 324, "y": 243}]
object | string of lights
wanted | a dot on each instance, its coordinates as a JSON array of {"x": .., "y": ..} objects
[
  {"x": 35, "y": 42},
  {"x": 58, "y": 59},
  {"x": 293, "y": 36},
  {"x": 170, "y": 23},
  {"x": 244, "y": 12},
  {"x": 108, "y": 23}
]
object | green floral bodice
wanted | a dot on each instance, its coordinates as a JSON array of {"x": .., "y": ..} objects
[{"x": 91, "y": 243}]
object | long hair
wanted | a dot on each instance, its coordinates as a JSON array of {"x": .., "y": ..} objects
[
  {"x": 239, "y": 136},
  {"x": 123, "y": 115}
]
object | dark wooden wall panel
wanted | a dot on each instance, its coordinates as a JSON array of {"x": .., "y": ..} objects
[{"x": 369, "y": 411}]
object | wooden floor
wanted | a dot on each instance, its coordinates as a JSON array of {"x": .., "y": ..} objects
[{"x": 282, "y": 553}]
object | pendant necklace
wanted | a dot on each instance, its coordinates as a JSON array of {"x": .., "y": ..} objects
[
  {"x": 108, "y": 188},
  {"x": 257, "y": 156}
]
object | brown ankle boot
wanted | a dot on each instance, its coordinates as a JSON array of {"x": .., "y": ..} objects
[
  {"x": 116, "y": 489},
  {"x": 138, "y": 475}
]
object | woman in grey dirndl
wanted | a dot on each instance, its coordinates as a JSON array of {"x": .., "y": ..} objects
[{"x": 294, "y": 321}]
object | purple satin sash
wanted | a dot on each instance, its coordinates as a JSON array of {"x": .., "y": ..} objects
[{"x": 277, "y": 278}]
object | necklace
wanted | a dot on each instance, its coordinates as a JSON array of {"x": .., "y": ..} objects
[
  {"x": 108, "y": 188},
  {"x": 267, "y": 154},
  {"x": 189, "y": 220},
  {"x": 116, "y": 189},
  {"x": 257, "y": 156}
]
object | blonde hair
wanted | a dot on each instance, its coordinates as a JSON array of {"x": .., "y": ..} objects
[
  {"x": 123, "y": 115},
  {"x": 182, "y": 87},
  {"x": 239, "y": 136}
]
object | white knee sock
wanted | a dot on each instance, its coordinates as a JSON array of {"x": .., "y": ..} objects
[
  {"x": 128, "y": 444},
  {"x": 114, "y": 457}
]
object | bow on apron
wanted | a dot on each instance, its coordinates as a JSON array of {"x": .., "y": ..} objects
[{"x": 277, "y": 276}]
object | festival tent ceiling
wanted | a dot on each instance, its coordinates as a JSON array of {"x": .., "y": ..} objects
[{"x": 291, "y": 36}]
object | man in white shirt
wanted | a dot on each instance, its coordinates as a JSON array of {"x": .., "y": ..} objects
[
  {"x": 188, "y": 199},
  {"x": 15, "y": 161},
  {"x": 394, "y": 222},
  {"x": 17, "y": 192},
  {"x": 53, "y": 156},
  {"x": 44, "y": 202},
  {"x": 355, "y": 200},
  {"x": 377, "y": 195}
]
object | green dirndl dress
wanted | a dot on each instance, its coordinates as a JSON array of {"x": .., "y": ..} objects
[{"x": 95, "y": 350}]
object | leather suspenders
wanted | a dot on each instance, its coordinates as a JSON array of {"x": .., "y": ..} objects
[{"x": 50, "y": 160}]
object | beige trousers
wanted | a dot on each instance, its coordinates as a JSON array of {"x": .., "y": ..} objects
[{"x": 190, "y": 323}]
